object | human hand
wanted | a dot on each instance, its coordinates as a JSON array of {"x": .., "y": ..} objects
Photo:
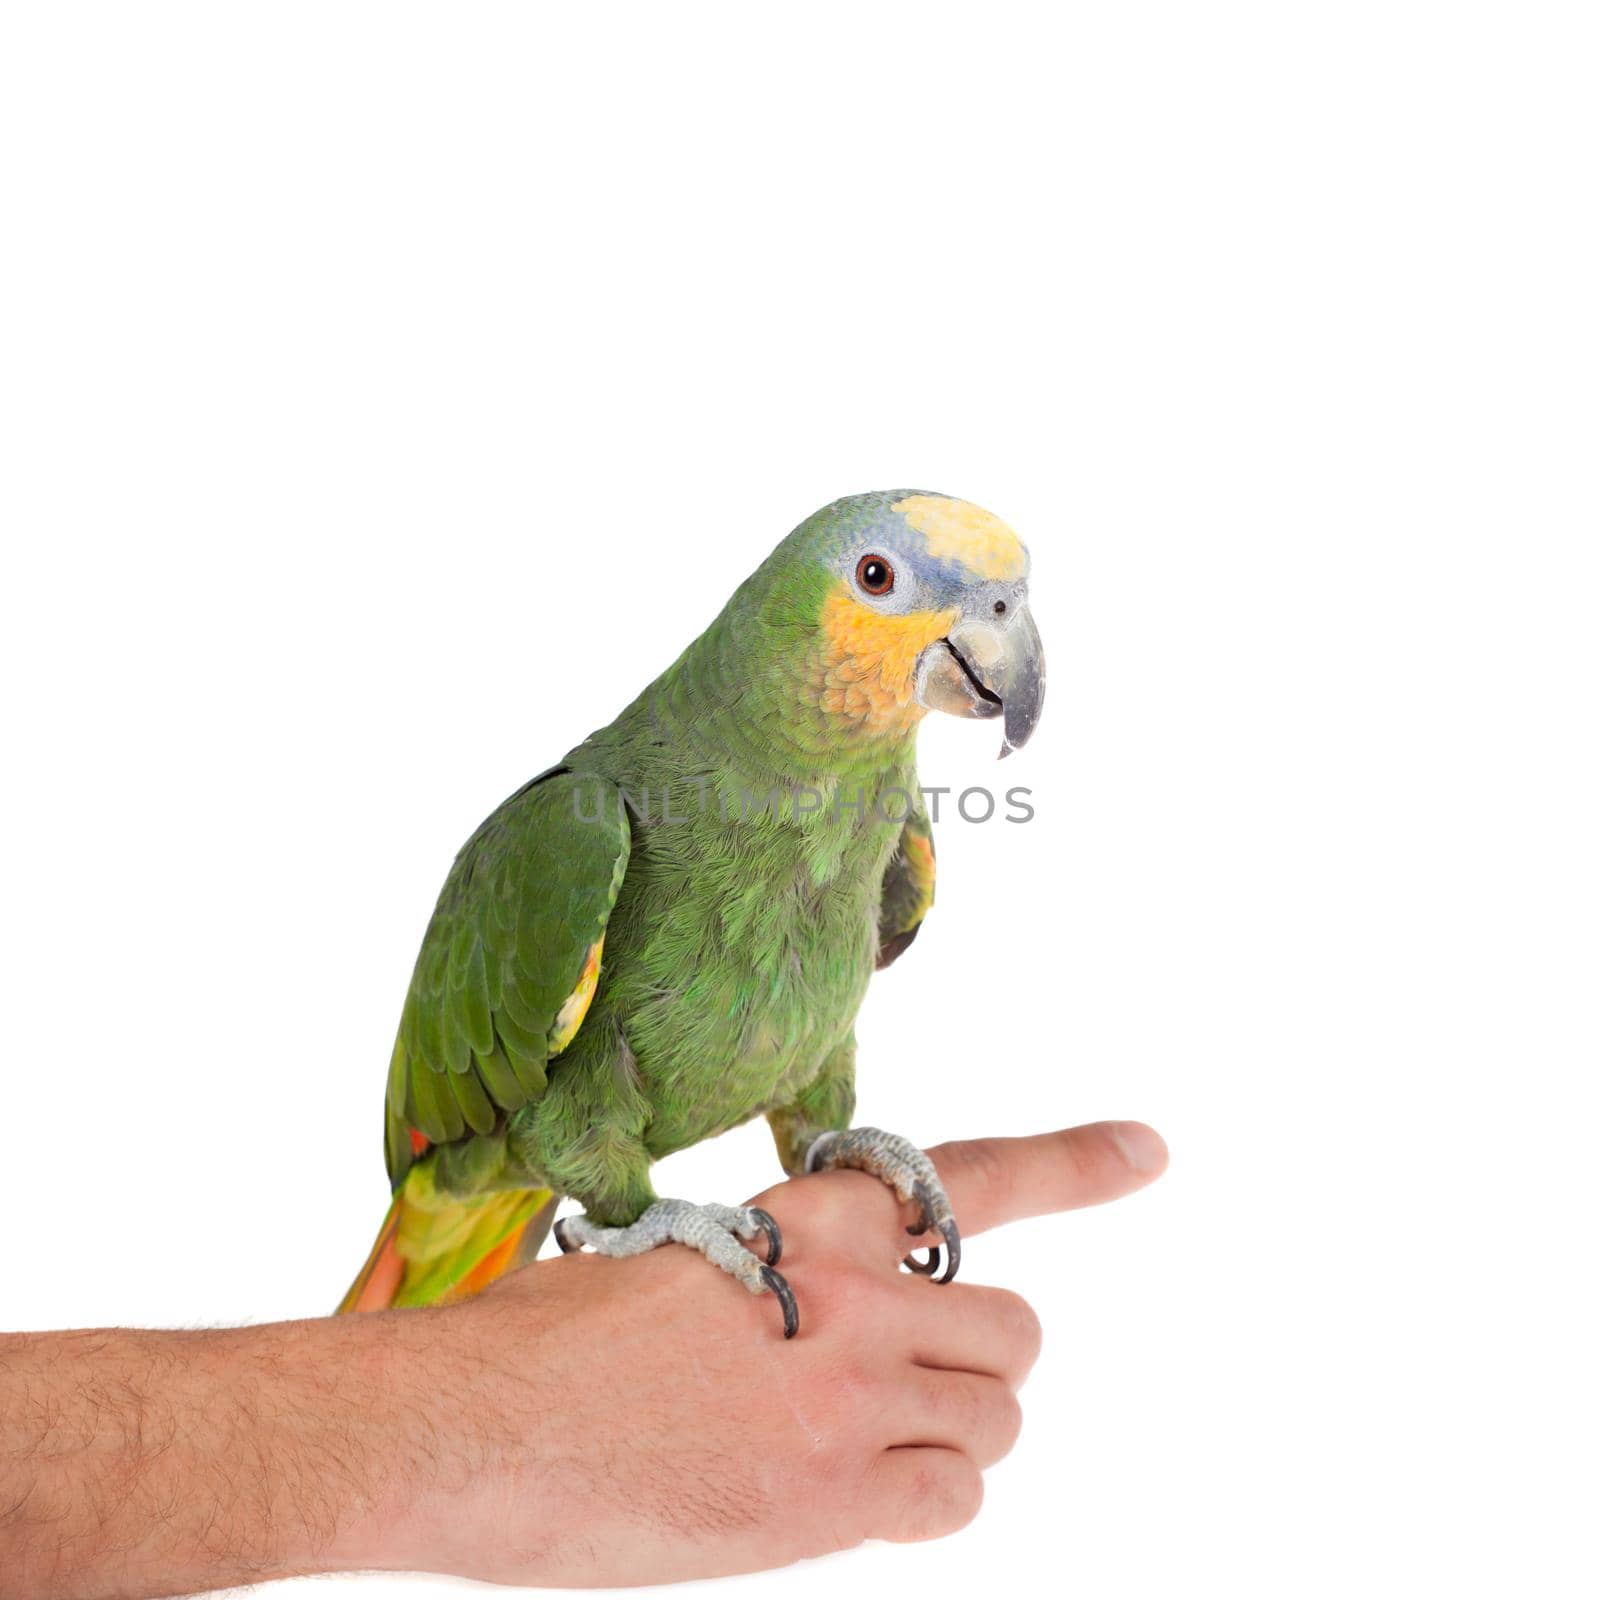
[{"x": 594, "y": 1422}]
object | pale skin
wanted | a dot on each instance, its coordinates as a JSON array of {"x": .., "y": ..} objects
[{"x": 585, "y": 1423}]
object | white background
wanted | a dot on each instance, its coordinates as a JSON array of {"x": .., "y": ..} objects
[{"x": 390, "y": 391}]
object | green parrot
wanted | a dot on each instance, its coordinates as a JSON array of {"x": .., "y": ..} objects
[{"x": 670, "y": 931}]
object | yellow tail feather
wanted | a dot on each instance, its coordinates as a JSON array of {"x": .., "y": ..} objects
[{"x": 435, "y": 1249}]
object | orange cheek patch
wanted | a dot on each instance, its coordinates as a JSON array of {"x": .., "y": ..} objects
[{"x": 867, "y": 665}]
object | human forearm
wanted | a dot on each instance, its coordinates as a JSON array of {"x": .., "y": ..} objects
[
  {"x": 140, "y": 1463},
  {"x": 586, "y": 1422}
]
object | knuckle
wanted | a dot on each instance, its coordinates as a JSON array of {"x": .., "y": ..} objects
[
  {"x": 825, "y": 1202},
  {"x": 1021, "y": 1325},
  {"x": 940, "y": 1497},
  {"x": 798, "y": 1207},
  {"x": 962, "y": 1495},
  {"x": 1008, "y": 1426},
  {"x": 947, "y": 1497}
]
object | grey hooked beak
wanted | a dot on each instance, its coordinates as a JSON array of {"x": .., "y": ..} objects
[{"x": 988, "y": 666}]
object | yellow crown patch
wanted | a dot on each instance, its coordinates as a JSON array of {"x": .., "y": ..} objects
[{"x": 958, "y": 531}]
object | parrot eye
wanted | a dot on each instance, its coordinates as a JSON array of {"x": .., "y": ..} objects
[{"x": 875, "y": 575}]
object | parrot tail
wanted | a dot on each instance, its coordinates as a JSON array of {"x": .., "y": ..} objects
[{"x": 436, "y": 1248}]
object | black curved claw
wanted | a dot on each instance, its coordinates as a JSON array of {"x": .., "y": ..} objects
[
  {"x": 779, "y": 1285},
  {"x": 952, "y": 1237},
  {"x": 764, "y": 1221},
  {"x": 568, "y": 1246}
]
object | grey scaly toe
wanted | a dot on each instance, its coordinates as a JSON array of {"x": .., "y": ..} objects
[
  {"x": 909, "y": 1172},
  {"x": 718, "y": 1232}
]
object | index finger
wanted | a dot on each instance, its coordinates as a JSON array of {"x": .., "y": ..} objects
[{"x": 995, "y": 1181}]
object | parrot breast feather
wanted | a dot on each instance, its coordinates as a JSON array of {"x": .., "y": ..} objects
[{"x": 509, "y": 964}]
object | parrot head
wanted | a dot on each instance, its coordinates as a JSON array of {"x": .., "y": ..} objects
[{"x": 922, "y": 606}]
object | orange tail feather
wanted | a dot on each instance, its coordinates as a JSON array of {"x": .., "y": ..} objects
[
  {"x": 434, "y": 1249},
  {"x": 377, "y": 1281}
]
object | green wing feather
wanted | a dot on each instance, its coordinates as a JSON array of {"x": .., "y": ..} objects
[
  {"x": 907, "y": 889},
  {"x": 513, "y": 936}
]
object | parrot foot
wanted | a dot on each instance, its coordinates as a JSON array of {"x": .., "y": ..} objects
[
  {"x": 715, "y": 1231},
  {"x": 907, "y": 1171}
]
